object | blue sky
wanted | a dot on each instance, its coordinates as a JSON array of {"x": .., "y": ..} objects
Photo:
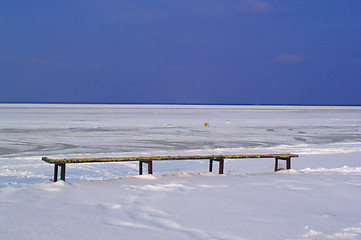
[{"x": 169, "y": 51}]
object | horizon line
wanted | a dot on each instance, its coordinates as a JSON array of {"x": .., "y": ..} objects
[{"x": 190, "y": 104}]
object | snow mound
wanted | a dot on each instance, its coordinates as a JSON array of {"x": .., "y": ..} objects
[
  {"x": 148, "y": 176},
  {"x": 344, "y": 169},
  {"x": 288, "y": 171}
]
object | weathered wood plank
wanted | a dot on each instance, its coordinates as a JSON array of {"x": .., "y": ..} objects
[{"x": 162, "y": 158}]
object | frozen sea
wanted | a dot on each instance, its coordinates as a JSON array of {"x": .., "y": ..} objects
[
  {"x": 31, "y": 131},
  {"x": 315, "y": 200}
]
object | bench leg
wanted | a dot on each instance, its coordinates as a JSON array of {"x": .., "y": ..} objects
[
  {"x": 62, "y": 172},
  {"x": 56, "y": 166},
  {"x": 221, "y": 165},
  {"x": 150, "y": 167},
  {"x": 276, "y": 164},
  {"x": 288, "y": 163}
]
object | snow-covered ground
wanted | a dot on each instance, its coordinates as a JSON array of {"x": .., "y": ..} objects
[{"x": 317, "y": 199}]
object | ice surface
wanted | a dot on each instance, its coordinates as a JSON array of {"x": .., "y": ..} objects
[
  {"x": 317, "y": 199},
  {"x": 30, "y": 131},
  {"x": 35, "y": 130}
]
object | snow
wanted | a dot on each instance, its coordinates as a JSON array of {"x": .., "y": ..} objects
[
  {"x": 317, "y": 199},
  {"x": 187, "y": 206}
]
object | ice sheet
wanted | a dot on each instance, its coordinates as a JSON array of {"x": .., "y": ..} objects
[
  {"x": 30, "y": 131},
  {"x": 316, "y": 199}
]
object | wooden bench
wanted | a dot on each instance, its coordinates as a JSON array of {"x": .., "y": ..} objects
[{"x": 149, "y": 161}]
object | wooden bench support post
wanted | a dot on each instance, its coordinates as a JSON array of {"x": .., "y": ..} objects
[
  {"x": 140, "y": 168},
  {"x": 288, "y": 163},
  {"x": 56, "y": 172},
  {"x": 150, "y": 167},
  {"x": 221, "y": 164},
  {"x": 276, "y": 164},
  {"x": 62, "y": 171}
]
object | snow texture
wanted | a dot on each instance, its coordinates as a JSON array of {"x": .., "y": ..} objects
[{"x": 317, "y": 199}]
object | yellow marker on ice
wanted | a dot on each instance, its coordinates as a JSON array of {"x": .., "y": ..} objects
[{"x": 206, "y": 124}]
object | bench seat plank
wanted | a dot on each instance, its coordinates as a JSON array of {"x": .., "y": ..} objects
[{"x": 162, "y": 158}]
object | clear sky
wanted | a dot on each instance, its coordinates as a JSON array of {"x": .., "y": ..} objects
[{"x": 181, "y": 51}]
